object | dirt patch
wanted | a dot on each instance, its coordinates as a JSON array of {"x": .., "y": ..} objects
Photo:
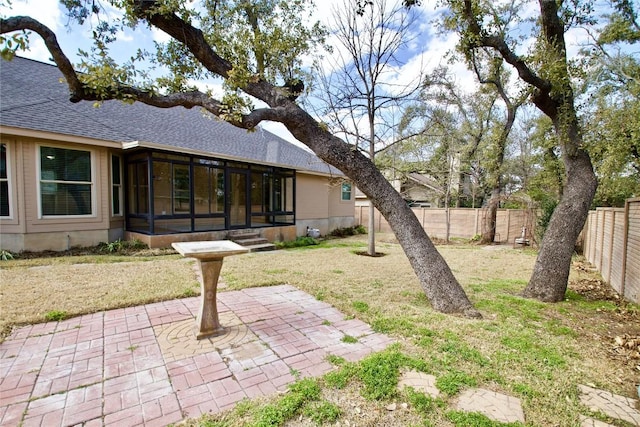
[
  {"x": 375, "y": 255},
  {"x": 620, "y": 327}
]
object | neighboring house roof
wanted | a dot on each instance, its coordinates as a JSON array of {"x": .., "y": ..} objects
[
  {"x": 33, "y": 97},
  {"x": 425, "y": 181}
]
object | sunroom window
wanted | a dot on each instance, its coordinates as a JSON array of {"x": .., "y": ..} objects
[{"x": 66, "y": 183}]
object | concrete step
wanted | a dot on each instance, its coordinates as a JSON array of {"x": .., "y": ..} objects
[
  {"x": 238, "y": 235},
  {"x": 261, "y": 247},
  {"x": 251, "y": 241}
]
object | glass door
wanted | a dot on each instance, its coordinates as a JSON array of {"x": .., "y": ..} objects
[{"x": 237, "y": 199}]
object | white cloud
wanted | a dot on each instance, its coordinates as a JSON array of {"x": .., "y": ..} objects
[{"x": 45, "y": 11}]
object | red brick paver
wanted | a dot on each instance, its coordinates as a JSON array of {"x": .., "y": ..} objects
[{"x": 109, "y": 369}]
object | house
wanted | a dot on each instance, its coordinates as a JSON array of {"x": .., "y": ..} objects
[
  {"x": 80, "y": 174},
  {"x": 418, "y": 189}
]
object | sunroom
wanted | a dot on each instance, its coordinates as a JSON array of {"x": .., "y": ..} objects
[{"x": 169, "y": 193}]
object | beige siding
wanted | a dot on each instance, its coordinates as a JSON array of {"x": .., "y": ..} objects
[
  {"x": 27, "y": 229},
  {"x": 319, "y": 204},
  {"x": 312, "y": 197},
  {"x": 337, "y": 206}
]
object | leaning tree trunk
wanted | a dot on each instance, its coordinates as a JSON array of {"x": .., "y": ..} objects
[
  {"x": 551, "y": 271},
  {"x": 436, "y": 279}
]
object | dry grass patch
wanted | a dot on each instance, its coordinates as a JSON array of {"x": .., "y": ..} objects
[{"x": 70, "y": 286}]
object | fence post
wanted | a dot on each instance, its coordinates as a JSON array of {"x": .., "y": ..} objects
[
  {"x": 625, "y": 241},
  {"x": 601, "y": 239},
  {"x": 587, "y": 237}
]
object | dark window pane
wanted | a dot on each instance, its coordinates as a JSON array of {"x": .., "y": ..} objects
[
  {"x": 4, "y": 198},
  {"x": 162, "y": 188},
  {"x": 66, "y": 199},
  {"x": 217, "y": 205},
  {"x": 139, "y": 224},
  {"x": 3, "y": 161},
  {"x": 181, "y": 189},
  {"x": 202, "y": 189},
  {"x": 206, "y": 224},
  {"x": 346, "y": 191},
  {"x": 172, "y": 225},
  {"x": 116, "y": 201},
  {"x": 115, "y": 169},
  {"x": 138, "y": 188},
  {"x": 59, "y": 164},
  {"x": 257, "y": 192}
]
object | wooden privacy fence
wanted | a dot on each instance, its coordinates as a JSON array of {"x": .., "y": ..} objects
[
  {"x": 612, "y": 245},
  {"x": 464, "y": 223}
]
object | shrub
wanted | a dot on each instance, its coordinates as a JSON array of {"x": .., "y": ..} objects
[
  {"x": 348, "y": 231},
  {"x": 55, "y": 315}
]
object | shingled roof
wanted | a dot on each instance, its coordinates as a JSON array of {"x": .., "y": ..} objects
[{"x": 33, "y": 97}]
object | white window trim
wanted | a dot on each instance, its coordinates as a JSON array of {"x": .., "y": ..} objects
[
  {"x": 9, "y": 182},
  {"x": 120, "y": 186},
  {"x": 94, "y": 203},
  {"x": 342, "y": 199}
]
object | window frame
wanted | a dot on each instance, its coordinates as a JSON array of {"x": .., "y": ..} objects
[
  {"x": 92, "y": 183},
  {"x": 8, "y": 180},
  {"x": 119, "y": 187},
  {"x": 343, "y": 192}
]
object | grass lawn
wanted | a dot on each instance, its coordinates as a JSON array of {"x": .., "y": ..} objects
[{"x": 536, "y": 352}]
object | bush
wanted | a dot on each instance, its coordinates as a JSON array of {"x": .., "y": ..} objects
[
  {"x": 121, "y": 246},
  {"x": 348, "y": 231},
  {"x": 547, "y": 206}
]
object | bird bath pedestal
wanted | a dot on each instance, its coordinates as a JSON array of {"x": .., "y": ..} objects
[{"x": 209, "y": 256}]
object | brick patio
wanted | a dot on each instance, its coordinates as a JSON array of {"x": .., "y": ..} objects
[{"x": 143, "y": 366}]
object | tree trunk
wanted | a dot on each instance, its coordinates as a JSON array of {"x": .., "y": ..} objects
[
  {"x": 371, "y": 232},
  {"x": 551, "y": 271},
  {"x": 436, "y": 279},
  {"x": 490, "y": 221}
]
